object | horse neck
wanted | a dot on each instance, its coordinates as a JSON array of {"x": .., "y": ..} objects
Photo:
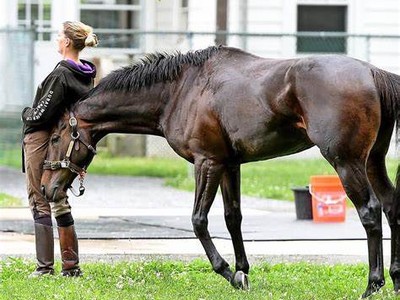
[{"x": 115, "y": 112}]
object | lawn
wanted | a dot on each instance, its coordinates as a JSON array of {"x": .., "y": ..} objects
[
  {"x": 187, "y": 280},
  {"x": 9, "y": 201}
]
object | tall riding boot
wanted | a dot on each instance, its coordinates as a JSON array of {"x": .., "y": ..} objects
[
  {"x": 44, "y": 241},
  {"x": 69, "y": 251}
]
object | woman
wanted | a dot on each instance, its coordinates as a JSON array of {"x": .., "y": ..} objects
[{"x": 69, "y": 81}]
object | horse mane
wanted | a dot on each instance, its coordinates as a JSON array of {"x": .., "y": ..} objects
[{"x": 151, "y": 69}]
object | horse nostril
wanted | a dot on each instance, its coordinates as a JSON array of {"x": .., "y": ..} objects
[
  {"x": 55, "y": 193},
  {"x": 43, "y": 189}
]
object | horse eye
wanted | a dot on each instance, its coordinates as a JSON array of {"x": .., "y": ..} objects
[{"x": 55, "y": 139}]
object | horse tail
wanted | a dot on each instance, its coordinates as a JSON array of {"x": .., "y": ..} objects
[{"x": 388, "y": 87}]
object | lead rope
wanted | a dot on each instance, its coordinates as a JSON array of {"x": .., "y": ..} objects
[
  {"x": 75, "y": 137},
  {"x": 81, "y": 189}
]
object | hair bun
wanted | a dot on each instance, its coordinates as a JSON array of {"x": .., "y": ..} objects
[{"x": 91, "y": 40}]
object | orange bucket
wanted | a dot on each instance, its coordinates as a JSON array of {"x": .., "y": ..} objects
[{"x": 328, "y": 198}]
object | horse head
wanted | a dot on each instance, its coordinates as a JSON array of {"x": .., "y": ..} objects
[{"x": 69, "y": 153}]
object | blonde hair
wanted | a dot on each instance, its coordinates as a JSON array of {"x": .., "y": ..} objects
[{"x": 80, "y": 34}]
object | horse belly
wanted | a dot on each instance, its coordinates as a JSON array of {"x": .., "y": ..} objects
[{"x": 270, "y": 144}]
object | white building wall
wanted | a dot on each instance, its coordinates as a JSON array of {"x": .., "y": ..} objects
[
  {"x": 62, "y": 11},
  {"x": 265, "y": 17},
  {"x": 8, "y": 20},
  {"x": 164, "y": 16},
  {"x": 382, "y": 18},
  {"x": 46, "y": 58},
  {"x": 163, "y": 22},
  {"x": 167, "y": 18},
  {"x": 8, "y": 14},
  {"x": 237, "y": 22},
  {"x": 202, "y": 17},
  {"x": 280, "y": 16}
]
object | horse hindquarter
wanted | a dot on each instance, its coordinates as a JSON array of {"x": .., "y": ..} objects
[{"x": 343, "y": 116}]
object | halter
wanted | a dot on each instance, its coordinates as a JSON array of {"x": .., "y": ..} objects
[{"x": 66, "y": 162}]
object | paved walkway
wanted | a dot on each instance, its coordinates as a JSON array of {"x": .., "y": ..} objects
[{"x": 122, "y": 217}]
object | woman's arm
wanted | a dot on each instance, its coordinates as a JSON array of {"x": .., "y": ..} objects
[{"x": 48, "y": 105}]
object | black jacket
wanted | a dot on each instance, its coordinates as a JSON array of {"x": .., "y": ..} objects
[{"x": 64, "y": 86}]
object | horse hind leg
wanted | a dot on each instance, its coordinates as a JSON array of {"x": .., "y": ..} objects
[
  {"x": 354, "y": 178},
  {"x": 384, "y": 189},
  {"x": 208, "y": 176},
  {"x": 230, "y": 188},
  {"x": 394, "y": 218}
]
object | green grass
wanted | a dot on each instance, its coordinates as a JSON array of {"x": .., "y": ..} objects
[
  {"x": 9, "y": 201},
  {"x": 267, "y": 179},
  {"x": 10, "y": 157},
  {"x": 274, "y": 179},
  {"x": 270, "y": 179},
  {"x": 187, "y": 280},
  {"x": 138, "y": 166}
]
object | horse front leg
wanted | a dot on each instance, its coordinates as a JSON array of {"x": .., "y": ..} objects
[
  {"x": 358, "y": 189},
  {"x": 230, "y": 187},
  {"x": 208, "y": 176}
]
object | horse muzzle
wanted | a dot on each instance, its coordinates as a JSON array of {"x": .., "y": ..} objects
[{"x": 53, "y": 194}]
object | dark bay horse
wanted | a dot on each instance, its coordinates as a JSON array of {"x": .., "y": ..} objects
[{"x": 221, "y": 107}]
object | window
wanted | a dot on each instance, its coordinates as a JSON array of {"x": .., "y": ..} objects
[
  {"x": 315, "y": 18},
  {"x": 35, "y": 13},
  {"x": 113, "y": 20}
]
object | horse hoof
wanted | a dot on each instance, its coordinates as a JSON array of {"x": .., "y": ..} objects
[
  {"x": 372, "y": 289},
  {"x": 396, "y": 291},
  {"x": 241, "y": 281}
]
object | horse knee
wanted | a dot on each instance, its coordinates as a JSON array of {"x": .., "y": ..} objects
[
  {"x": 370, "y": 217},
  {"x": 200, "y": 225},
  {"x": 392, "y": 213},
  {"x": 392, "y": 218}
]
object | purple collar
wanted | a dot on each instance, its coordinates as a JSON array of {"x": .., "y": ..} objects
[{"x": 84, "y": 67}]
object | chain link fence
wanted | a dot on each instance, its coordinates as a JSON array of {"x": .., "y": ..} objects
[{"x": 17, "y": 64}]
